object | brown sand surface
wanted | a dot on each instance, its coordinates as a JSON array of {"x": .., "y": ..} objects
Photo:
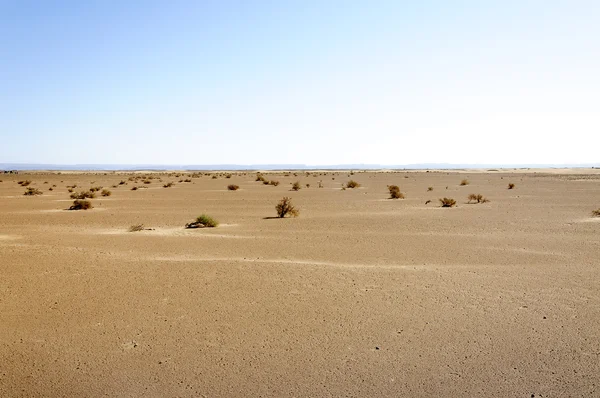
[{"x": 360, "y": 296}]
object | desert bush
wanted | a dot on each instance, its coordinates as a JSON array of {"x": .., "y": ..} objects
[
  {"x": 296, "y": 186},
  {"x": 265, "y": 182},
  {"x": 227, "y": 175},
  {"x": 70, "y": 190},
  {"x": 24, "y": 183},
  {"x": 214, "y": 177},
  {"x": 320, "y": 184},
  {"x": 95, "y": 189},
  {"x": 274, "y": 183},
  {"x": 260, "y": 177},
  {"x": 106, "y": 192},
  {"x": 352, "y": 184},
  {"x": 83, "y": 195},
  {"x": 477, "y": 198},
  {"x": 203, "y": 221},
  {"x": 447, "y": 202},
  {"x": 136, "y": 228},
  {"x": 30, "y": 191},
  {"x": 395, "y": 192},
  {"x": 307, "y": 185},
  {"x": 50, "y": 189},
  {"x": 81, "y": 204},
  {"x": 233, "y": 187},
  {"x": 511, "y": 186},
  {"x": 187, "y": 180},
  {"x": 464, "y": 182},
  {"x": 135, "y": 188},
  {"x": 285, "y": 207},
  {"x": 596, "y": 213},
  {"x": 168, "y": 185},
  {"x": 122, "y": 182},
  {"x": 429, "y": 189}
]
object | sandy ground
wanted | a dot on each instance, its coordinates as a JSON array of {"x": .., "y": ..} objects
[{"x": 359, "y": 296}]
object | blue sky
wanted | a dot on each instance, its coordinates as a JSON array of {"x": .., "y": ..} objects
[{"x": 314, "y": 82}]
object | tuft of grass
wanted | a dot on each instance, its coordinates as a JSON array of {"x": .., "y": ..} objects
[
  {"x": 233, "y": 187},
  {"x": 285, "y": 207},
  {"x": 203, "y": 221},
  {"x": 81, "y": 204},
  {"x": 352, "y": 184},
  {"x": 429, "y": 189},
  {"x": 596, "y": 213},
  {"x": 447, "y": 202},
  {"x": 30, "y": 191},
  {"x": 296, "y": 186},
  {"x": 136, "y": 228},
  {"x": 511, "y": 186},
  {"x": 395, "y": 192},
  {"x": 106, "y": 192},
  {"x": 464, "y": 182},
  {"x": 83, "y": 195},
  {"x": 168, "y": 185}
]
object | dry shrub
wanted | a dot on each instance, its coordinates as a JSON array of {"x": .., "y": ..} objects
[
  {"x": 265, "y": 182},
  {"x": 81, "y": 204},
  {"x": 187, "y": 180},
  {"x": 136, "y": 228},
  {"x": 395, "y": 192},
  {"x": 135, "y": 188},
  {"x": 83, "y": 195},
  {"x": 274, "y": 183},
  {"x": 296, "y": 186},
  {"x": 285, "y": 207},
  {"x": 95, "y": 189},
  {"x": 478, "y": 198},
  {"x": 122, "y": 182},
  {"x": 447, "y": 202},
  {"x": 106, "y": 192},
  {"x": 214, "y": 177},
  {"x": 24, "y": 183},
  {"x": 168, "y": 185},
  {"x": 511, "y": 186},
  {"x": 307, "y": 185},
  {"x": 260, "y": 177},
  {"x": 352, "y": 184},
  {"x": 30, "y": 191},
  {"x": 596, "y": 213},
  {"x": 227, "y": 175},
  {"x": 233, "y": 187},
  {"x": 429, "y": 189},
  {"x": 203, "y": 221},
  {"x": 464, "y": 182}
]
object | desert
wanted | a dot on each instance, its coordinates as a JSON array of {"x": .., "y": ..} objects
[{"x": 361, "y": 294}]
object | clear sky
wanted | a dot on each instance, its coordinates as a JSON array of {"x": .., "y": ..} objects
[{"x": 307, "y": 81}]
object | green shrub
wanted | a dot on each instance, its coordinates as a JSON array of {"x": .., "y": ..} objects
[{"x": 203, "y": 221}]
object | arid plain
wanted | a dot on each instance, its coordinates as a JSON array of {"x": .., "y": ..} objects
[{"x": 360, "y": 295}]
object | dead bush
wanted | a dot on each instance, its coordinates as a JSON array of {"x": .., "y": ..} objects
[
  {"x": 30, "y": 191},
  {"x": 395, "y": 192},
  {"x": 285, "y": 207},
  {"x": 233, "y": 187},
  {"x": 464, "y": 182},
  {"x": 352, "y": 184},
  {"x": 447, "y": 202},
  {"x": 81, "y": 204},
  {"x": 83, "y": 195},
  {"x": 106, "y": 192},
  {"x": 477, "y": 198},
  {"x": 511, "y": 186},
  {"x": 296, "y": 186}
]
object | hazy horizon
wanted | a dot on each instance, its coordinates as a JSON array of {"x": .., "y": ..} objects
[{"x": 204, "y": 82}]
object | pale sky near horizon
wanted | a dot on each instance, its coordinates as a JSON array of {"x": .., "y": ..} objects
[{"x": 311, "y": 82}]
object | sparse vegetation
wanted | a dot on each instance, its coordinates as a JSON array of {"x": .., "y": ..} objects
[
  {"x": 30, "y": 191},
  {"x": 168, "y": 185},
  {"x": 122, "y": 182},
  {"x": 352, "y": 184},
  {"x": 274, "y": 183},
  {"x": 285, "y": 207},
  {"x": 296, "y": 186},
  {"x": 106, "y": 192},
  {"x": 136, "y": 188},
  {"x": 511, "y": 186},
  {"x": 260, "y": 177},
  {"x": 136, "y": 228},
  {"x": 95, "y": 189},
  {"x": 429, "y": 189},
  {"x": 596, "y": 213},
  {"x": 233, "y": 187},
  {"x": 464, "y": 182},
  {"x": 81, "y": 204},
  {"x": 83, "y": 195},
  {"x": 265, "y": 182},
  {"x": 24, "y": 183},
  {"x": 478, "y": 198},
  {"x": 395, "y": 192},
  {"x": 203, "y": 221},
  {"x": 447, "y": 202}
]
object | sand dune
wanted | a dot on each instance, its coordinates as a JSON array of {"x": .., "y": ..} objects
[{"x": 358, "y": 296}]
